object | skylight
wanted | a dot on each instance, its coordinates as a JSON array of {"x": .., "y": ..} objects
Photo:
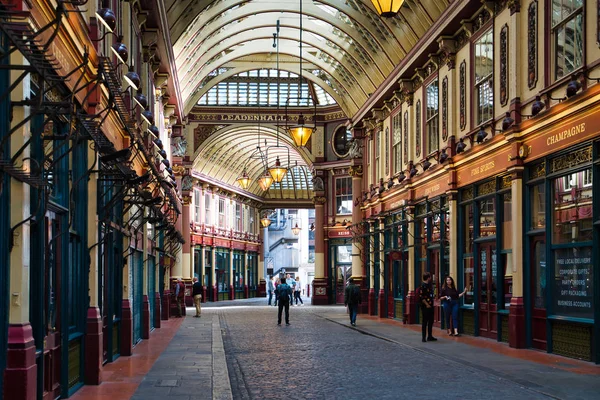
[{"x": 250, "y": 89}]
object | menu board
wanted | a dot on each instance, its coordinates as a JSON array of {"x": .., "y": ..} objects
[{"x": 573, "y": 288}]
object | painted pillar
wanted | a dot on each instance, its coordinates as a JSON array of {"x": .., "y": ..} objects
[
  {"x": 202, "y": 271},
  {"x": 94, "y": 345},
  {"x": 231, "y": 288},
  {"x": 246, "y": 274},
  {"x": 126, "y": 311},
  {"x": 516, "y": 315},
  {"x": 371, "y": 240},
  {"x": 20, "y": 375},
  {"x": 453, "y": 234},
  {"x": 262, "y": 262},
  {"x": 411, "y": 303},
  {"x": 187, "y": 267},
  {"x": 382, "y": 282},
  {"x": 358, "y": 269},
  {"x": 145, "y": 298},
  {"x": 213, "y": 271},
  {"x": 320, "y": 282}
]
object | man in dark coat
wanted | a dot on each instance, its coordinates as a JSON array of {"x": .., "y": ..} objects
[
  {"x": 284, "y": 291},
  {"x": 352, "y": 299}
]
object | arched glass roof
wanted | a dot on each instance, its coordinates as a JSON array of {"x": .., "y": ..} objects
[
  {"x": 263, "y": 87},
  {"x": 353, "y": 48}
]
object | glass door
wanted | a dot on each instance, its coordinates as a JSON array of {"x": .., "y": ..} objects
[
  {"x": 538, "y": 290},
  {"x": 488, "y": 309},
  {"x": 436, "y": 281}
]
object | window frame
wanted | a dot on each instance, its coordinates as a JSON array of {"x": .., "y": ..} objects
[
  {"x": 397, "y": 145},
  {"x": 342, "y": 197},
  {"x": 476, "y": 115},
  {"x": 553, "y": 37},
  {"x": 432, "y": 121}
]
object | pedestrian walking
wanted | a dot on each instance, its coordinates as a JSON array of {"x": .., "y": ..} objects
[
  {"x": 426, "y": 302},
  {"x": 352, "y": 298},
  {"x": 270, "y": 288},
  {"x": 284, "y": 302},
  {"x": 197, "y": 294},
  {"x": 450, "y": 296},
  {"x": 290, "y": 281},
  {"x": 180, "y": 296},
  {"x": 276, "y": 291},
  {"x": 298, "y": 291}
]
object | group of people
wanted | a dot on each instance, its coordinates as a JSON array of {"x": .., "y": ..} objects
[
  {"x": 286, "y": 291},
  {"x": 449, "y": 296},
  {"x": 294, "y": 284}
]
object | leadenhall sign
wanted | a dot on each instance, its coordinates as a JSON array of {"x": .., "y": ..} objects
[{"x": 245, "y": 117}]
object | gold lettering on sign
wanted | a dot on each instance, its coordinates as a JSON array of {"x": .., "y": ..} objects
[
  {"x": 432, "y": 189},
  {"x": 566, "y": 134},
  {"x": 483, "y": 168}
]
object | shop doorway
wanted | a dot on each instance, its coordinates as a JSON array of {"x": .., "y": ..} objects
[
  {"x": 538, "y": 290},
  {"x": 436, "y": 282},
  {"x": 343, "y": 272},
  {"x": 488, "y": 309}
]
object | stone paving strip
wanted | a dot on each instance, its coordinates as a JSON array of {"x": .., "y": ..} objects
[{"x": 191, "y": 367}]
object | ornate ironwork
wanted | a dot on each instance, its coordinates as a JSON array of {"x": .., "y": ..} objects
[
  {"x": 504, "y": 65},
  {"x": 418, "y": 129},
  {"x": 572, "y": 159},
  {"x": 445, "y": 109},
  {"x": 421, "y": 209},
  {"x": 506, "y": 182},
  {"x": 466, "y": 194},
  {"x": 538, "y": 170},
  {"x": 488, "y": 187},
  {"x": 532, "y": 47},
  {"x": 405, "y": 137},
  {"x": 462, "y": 88}
]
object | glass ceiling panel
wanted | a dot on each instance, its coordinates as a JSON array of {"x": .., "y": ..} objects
[{"x": 250, "y": 89}]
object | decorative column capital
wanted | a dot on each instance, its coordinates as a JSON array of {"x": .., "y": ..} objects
[
  {"x": 355, "y": 171},
  {"x": 319, "y": 200},
  {"x": 514, "y": 6}
]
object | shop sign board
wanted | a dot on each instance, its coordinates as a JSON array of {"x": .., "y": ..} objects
[
  {"x": 563, "y": 135},
  {"x": 432, "y": 189},
  {"x": 337, "y": 233},
  {"x": 484, "y": 167}
]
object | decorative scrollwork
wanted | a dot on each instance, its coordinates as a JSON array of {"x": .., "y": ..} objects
[
  {"x": 504, "y": 65},
  {"x": 445, "y": 109},
  {"x": 463, "y": 94},
  {"x": 319, "y": 200},
  {"x": 572, "y": 159},
  {"x": 418, "y": 129},
  {"x": 532, "y": 38},
  {"x": 405, "y": 137},
  {"x": 355, "y": 170},
  {"x": 538, "y": 170},
  {"x": 488, "y": 187}
]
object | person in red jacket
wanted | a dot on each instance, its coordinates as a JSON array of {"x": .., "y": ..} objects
[{"x": 180, "y": 296}]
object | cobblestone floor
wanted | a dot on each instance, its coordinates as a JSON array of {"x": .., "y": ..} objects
[{"x": 316, "y": 358}]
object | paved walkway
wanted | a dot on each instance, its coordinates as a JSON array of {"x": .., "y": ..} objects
[{"x": 236, "y": 350}]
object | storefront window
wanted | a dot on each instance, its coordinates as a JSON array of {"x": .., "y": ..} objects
[
  {"x": 487, "y": 218},
  {"x": 538, "y": 206},
  {"x": 468, "y": 229},
  {"x": 573, "y": 289},
  {"x": 572, "y": 208},
  {"x": 539, "y": 265},
  {"x": 469, "y": 275},
  {"x": 506, "y": 257}
]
